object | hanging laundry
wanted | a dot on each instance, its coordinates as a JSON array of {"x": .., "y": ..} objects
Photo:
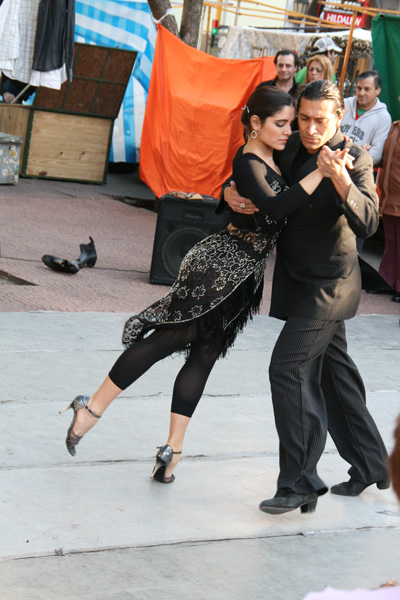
[
  {"x": 36, "y": 41},
  {"x": 54, "y": 41}
]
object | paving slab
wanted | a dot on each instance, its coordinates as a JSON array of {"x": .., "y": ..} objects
[
  {"x": 280, "y": 568},
  {"x": 96, "y": 526}
]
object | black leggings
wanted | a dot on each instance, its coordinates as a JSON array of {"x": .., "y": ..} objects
[{"x": 191, "y": 379}]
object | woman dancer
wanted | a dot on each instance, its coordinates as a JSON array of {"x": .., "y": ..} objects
[{"x": 218, "y": 288}]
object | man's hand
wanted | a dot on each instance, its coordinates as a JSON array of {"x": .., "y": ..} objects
[
  {"x": 238, "y": 203},
  {"x": 366, "y": 147}
]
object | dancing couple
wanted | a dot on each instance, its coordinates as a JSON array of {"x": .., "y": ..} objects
[{"x": 219, "y": 287}]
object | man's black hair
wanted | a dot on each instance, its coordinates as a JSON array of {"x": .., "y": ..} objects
[
  {"x": 287, "y": 53},
  {"x": 374, "y": 74},
  {"x": 323, "y": 90}
]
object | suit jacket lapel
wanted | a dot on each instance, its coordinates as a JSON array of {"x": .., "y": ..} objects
[{"x": 287, "y": 156}]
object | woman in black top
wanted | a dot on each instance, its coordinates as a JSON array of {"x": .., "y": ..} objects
[{"x": 218, "y": 288}]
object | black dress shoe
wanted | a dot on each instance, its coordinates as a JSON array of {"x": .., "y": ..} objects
[
  {"x": 354, "y": 488},
  {"x": 285, "y": 500},
  {"x": 88, "y": 255},
  {"x": 59, "y": 264},
  {"x": 396, "y": 298}
]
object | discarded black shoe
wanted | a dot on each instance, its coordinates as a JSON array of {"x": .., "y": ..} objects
[
  {"x": 88, "y": 256},
  {"x": 355, "y": 488},
  {"x": 286, "y": 500},
  {"x": 396, "y": 298},
  {"x": 59, "y": 264}
]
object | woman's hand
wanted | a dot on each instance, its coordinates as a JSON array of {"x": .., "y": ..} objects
[{"x": 238, "y": 203}]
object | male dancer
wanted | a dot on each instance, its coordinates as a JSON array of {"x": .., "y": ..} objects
[{"x": 316, "y": 286}]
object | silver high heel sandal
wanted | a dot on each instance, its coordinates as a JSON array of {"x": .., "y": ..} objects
[
  {"x": 163, "y": 458},
  {"x": 72, "y": 439}
]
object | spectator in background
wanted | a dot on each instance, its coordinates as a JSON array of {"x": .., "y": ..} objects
[
  {"x": 318, "y": 67},
  {"x": 390, "y": 210},
  {"x": 323, "y": 46},
  {"x": 367, "y": 120},
  {"x": 287, "y": 63}
]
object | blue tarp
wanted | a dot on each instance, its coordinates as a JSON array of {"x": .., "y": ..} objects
[{"x": 127, "y": 25}]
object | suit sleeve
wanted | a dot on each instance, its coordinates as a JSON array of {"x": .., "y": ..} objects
[
  {"x": 361, "y": 207},
  {"x": 250, "y": 174}
]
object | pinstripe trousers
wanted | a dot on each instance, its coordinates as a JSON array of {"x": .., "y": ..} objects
[{"x": 316, "y": 387}]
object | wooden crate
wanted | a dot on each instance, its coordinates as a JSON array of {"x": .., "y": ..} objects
[
  {"x": 67, "y": 147},
  {"x": 67, "y": 133}
]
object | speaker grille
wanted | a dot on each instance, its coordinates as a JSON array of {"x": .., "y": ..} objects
[
  {"x": 177, "y": 245},
  {"x": 180, "y": 225}
]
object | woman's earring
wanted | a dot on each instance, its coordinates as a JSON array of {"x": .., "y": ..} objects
[{"x": 254, "y": 134}]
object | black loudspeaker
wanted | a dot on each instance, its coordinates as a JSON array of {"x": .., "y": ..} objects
[{"x": 180, "y": 225}]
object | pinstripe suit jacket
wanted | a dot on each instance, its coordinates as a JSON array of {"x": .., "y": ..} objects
[{"x": 317, "y": 274}]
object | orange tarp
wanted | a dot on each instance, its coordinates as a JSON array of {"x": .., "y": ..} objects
[{"x": 192, "y": 127}]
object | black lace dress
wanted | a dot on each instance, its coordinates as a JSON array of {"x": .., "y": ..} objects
[{"x": 220, "y": 282}]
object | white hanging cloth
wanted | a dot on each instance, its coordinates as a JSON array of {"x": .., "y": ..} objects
[{"x": 17, "y": 41}]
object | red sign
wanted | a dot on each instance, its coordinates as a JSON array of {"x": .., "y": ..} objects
[{"x": 341, "y": 16}]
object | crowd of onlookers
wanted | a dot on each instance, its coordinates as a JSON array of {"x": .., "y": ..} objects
[{"x": 368, "y": 123}]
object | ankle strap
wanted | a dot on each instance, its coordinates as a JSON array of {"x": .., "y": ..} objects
[
  {"x": 173, "y": 451},
  {"x": 92, "y": 413}
]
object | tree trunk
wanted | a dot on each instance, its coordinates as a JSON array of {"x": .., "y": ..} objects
[
  {"x": 158, "y": 9},
  {"x": 190, "y": 23}
]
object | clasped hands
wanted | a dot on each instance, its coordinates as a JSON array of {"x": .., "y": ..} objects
[{"x": 333, "y": 163}]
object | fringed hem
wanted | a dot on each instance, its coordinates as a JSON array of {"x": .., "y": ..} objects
[{"x": 220, "y": 326}]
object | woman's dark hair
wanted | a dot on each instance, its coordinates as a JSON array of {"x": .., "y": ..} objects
[
  {"x": 264, "y": 102},
  {"x": 323, "y": 90}
]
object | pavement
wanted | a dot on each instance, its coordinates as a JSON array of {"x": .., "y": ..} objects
[{"x": 95, "y": 526}]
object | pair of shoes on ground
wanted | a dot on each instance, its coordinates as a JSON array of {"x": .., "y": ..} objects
[
  {"x": 164, "y": 455},
  {"x": 87, "y": 258}
]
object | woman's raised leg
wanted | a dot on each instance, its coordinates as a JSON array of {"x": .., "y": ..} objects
[{"x": 132, "y": 363}]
